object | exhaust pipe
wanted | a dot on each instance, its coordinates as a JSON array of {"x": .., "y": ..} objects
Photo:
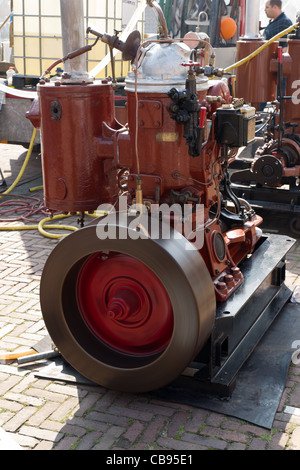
[
  {"x": 252, "y": 20},
  {"x": 73, "y": 38}
]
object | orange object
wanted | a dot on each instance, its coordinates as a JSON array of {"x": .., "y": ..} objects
[
  {"x": 4, "y": 358},
  {"x": 227, "y": 28},
  {"x": 236, "y": 236}
]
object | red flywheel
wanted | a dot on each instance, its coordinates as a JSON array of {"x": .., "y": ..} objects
[{"x": 124, "y": 304}]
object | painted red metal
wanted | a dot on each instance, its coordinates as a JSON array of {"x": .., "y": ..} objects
[
  {"x": 242, "y": 4},
  {"x": 254, "y": 80},
  {"x": 85, "y": 150},
  {"x": 71, "y": 119},
  {"x": 124, "y": 304}
]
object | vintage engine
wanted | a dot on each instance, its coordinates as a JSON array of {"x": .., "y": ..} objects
[
  {"x": 276, "y": 161},
  {"x": 132, "y": 310}
]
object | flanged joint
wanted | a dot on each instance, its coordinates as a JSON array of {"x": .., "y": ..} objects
[{"x": 268, "y": 170}]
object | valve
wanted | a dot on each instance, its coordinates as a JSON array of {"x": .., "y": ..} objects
[
  {"x": 208, "y": 70},
  {"x": 191, "y": 64},
  {"x": 128, "y": 48}
]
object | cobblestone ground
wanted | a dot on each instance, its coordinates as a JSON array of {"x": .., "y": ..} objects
[{"x": 39, "y": 414}]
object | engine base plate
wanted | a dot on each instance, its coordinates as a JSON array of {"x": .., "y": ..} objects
[{"x": 242, "y": 320}]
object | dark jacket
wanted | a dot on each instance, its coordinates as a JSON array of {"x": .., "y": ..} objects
[{"x": 276, "y": 26}]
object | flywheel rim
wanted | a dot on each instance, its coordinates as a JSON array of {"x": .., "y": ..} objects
[{"x": 189, "y": 288}]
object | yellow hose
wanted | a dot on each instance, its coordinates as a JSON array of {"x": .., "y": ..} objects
[
  {"x": 41, "y": 227},
  {"x": 36, "y": 188},
  {"x": 257, "y": 51},
  {"x": 23, "y": 166}
]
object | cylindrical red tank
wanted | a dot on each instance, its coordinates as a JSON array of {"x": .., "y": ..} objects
[
  {"x": 72, "y": 118},
  {"x": 254, "y": 81}
]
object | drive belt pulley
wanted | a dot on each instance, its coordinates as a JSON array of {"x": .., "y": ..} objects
[
  {"x": 128, "y": 314},
  {"x": 268, "y": 170}
]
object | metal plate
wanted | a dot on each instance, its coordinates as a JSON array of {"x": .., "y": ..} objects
[{"x": 261, "y": 381}]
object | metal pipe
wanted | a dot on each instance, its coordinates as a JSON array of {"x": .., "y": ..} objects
[
  {"x": 73, "y": 38},
  {"x": 252, "y": 19},
  {"x": 39, "y": 356},
  {"x": 280, "y": 97},
  {"x": 154, "y": 4}
]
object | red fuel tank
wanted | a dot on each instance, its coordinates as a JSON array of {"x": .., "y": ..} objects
[
  {"x": 254, "y": 80},
  {"x": 71, "y": 119}
]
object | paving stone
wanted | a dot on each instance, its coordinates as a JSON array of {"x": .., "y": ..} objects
[
  {"x": 294, "y": 442},
  {"x": 19, "y": 419},
  {"x": 39, "y": 433}
]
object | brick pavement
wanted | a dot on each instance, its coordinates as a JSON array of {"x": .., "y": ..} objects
[{"x": 40, "y": 414}]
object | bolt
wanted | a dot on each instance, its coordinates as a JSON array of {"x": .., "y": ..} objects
[{"x": 221, "y": 286}]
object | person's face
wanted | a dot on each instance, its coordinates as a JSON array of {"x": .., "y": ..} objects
[{"x": 269, "y": 10}]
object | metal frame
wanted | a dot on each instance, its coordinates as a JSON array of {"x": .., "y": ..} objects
[
  {"x": 241, "y": 321},
  {"x": 274, "y": 199}
]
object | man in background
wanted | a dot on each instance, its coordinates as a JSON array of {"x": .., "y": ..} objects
[{"x": 278, "y": 21}]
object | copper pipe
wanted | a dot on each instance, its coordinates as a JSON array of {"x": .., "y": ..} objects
[{"x": 154, "y": 4}]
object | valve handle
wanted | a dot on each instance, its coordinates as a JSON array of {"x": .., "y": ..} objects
[
  {"x": 191, "y": 64},
  {"x": 202, "y": 116}
]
